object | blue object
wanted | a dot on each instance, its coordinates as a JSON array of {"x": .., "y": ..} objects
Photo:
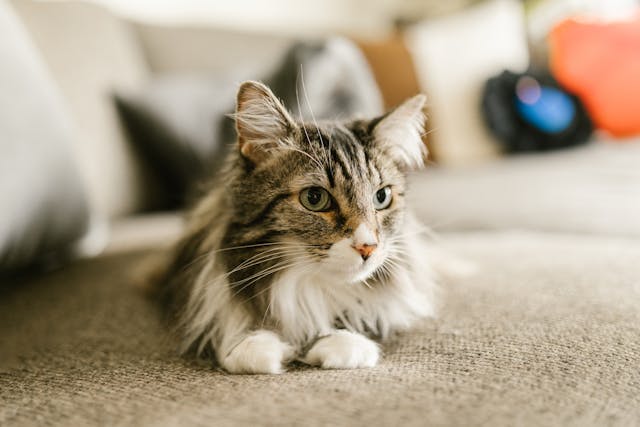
[
  {"x": 548, "y": 109},
  {"x": 530, "y": 112}
]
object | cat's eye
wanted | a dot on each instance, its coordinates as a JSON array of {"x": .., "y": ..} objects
[
  {"x": 382, "y": 198},
  {"x": 316, "y": 199}
]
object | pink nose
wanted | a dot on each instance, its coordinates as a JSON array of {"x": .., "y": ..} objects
[{"x": 365, "y": 250}]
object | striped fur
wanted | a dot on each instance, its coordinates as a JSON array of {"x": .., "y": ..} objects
[{"x": 258, "y": 278}]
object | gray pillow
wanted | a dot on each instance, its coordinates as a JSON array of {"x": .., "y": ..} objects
[
  {"x": 43, "y": 208},
  {"x": 180, "y": 122},
  {"x": 327, "y": 80}
]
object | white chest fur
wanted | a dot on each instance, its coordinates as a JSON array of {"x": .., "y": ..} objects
[{"x": 306, "y": 305}]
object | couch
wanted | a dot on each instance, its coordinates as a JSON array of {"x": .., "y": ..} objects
[{"x": 544, "y": 331}]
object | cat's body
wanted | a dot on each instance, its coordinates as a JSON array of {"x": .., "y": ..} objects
[{"x": 304, "y": 249}]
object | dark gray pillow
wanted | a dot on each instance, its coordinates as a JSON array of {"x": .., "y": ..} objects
[
  {"x": 327, "y": 80},
  {"x": 181, "y": 123},
  {"x": 43, "y": 209}
]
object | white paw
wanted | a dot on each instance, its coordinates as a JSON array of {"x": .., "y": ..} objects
[
  {"x": 343, "y": 350},
  {"x": 262, "y": 352}
]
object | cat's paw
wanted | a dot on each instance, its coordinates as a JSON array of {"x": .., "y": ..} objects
[
  {"x": 343, "y": 350},
  {"x": 262, "y": 352}
]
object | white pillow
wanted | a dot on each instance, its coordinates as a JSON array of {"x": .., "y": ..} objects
[
  {"x": 43, "y": 208},
  {"x": 454, "y": 56}
]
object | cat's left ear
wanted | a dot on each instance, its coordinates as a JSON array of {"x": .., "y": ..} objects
[{"x": 399, "y": 133}]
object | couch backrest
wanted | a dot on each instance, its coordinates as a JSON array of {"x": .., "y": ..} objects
[
  {"x": 91, "y": 53},
  {"x": 186, "y": 49}
]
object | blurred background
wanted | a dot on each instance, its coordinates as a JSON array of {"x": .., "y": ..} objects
[
  {"x": 377, "y": 18},
  {"x": 113, "y": 112}
]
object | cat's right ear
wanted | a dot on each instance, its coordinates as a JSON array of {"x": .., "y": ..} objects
[
  {"x": 262, "y": 122},
  {"x": 399, "y": 133}
]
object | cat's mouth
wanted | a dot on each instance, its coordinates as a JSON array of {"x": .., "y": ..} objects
[
  {"x": 354, "y": 271},
  {"x": 344, "y": 264}
]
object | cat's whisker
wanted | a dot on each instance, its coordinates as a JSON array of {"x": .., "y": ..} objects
[
  {"x": 269, "y": 258},
  {"x": 216, "y": 251},
  {"x": 297, "y": 150},
  {"x": 264, "y": 273},
  {"x": 384, "y": 268},
  {"x": 266, "y": 312},
  {"x": 302, "y": 118},
  {"x": 388, "y": 270},
  {"x": 392, "y": 265},
  {"x": 261, "y": 255},
  {"x": 257, "y": 245},
  {"x": 306, "y": 97},
  {"x": 261, "y": 260},
  {"x": 210, "y": 254}
]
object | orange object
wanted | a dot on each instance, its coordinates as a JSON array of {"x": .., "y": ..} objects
[{"x": 600, "y": 63}]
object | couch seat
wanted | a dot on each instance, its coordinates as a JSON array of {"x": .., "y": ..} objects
[{"x": 547, "y": 332}]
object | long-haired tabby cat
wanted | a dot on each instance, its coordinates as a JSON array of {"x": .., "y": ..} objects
[{"x": 303, "y": 250}]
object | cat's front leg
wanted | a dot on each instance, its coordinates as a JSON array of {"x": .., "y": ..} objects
[
  {"x": 260, "y": 352},
  {"x": 343, "y": 349}
]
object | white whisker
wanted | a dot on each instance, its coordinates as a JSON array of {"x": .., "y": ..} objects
[
  {"x": 318, "y": 162},
  {"x": 264, "y": 273},
  {"x": 326, "y": 152}
]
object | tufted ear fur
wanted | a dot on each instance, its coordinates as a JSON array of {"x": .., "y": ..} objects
[
  {"x": 262, "y": 122},
  {"x": 399, "y": 133}
]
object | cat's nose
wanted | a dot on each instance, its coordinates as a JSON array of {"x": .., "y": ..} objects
[
  {"x": 364, "y": 241},
  {"x": 365, "y": 250}
]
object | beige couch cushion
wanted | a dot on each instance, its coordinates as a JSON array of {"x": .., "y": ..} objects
[
  {"x": 455, "y": 55},
  {"x": 547, "y": 333},
  {"x": 588, "y": 189},
  {"x": 210, "y": 51},
  {"x": 91, "y": 53}
]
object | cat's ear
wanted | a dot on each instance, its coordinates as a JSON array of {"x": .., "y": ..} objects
[
  {"x": 399, "y": 133},
  {"x": 262, "y": 122}
]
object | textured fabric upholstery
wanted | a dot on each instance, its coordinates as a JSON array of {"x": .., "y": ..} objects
[
  {"x": 588, "y": 189},
  {"x": 546, "y": 333}
]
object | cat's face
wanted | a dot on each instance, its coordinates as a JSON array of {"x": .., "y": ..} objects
[
  {"x": 348, "y": 204},
  {"x": 328, "y": 197}
]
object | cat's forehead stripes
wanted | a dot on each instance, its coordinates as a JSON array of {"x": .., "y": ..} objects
[
  {"x": 344, "y": 154},
  {"x": 352, "y": 168}
]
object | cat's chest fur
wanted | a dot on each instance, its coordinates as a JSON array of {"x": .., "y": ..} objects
[{"x": 304, "y": 305}]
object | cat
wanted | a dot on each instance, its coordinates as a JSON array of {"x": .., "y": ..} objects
[{"x": 303, "y": 249}]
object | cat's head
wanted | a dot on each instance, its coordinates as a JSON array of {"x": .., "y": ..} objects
[{"x": 329, "y": 196}]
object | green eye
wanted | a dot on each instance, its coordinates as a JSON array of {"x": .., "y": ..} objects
[
  {"x": 382, "y": 198},
  {"x": 316, "y": 199}
]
